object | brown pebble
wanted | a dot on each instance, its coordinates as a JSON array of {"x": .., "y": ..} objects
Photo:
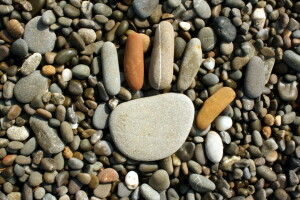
[
  {"x": 14, "y": 112},
  {"x": 269, "y": 120},
  {"x": 108, "y": 175},
  {"x": 78, "y": 155},
  {"x": 67, "y": 153},
  {"x": 15, "y": 28},
  {"x": 267, "y": 131},
  {"x": 44, "y": 113},
  {"x": 48, "y": 70},
  {"x": 9, "y": 160}
]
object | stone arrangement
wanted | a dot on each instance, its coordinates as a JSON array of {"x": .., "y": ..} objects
[{"x": 149, "y": 99}]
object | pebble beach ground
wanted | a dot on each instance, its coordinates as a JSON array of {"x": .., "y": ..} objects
[{"x": 149, "y": 100}]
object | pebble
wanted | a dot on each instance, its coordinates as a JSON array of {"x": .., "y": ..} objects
[
  {"x": 213, "y": 147},
  {"x": 149, "y": 193},
  {"x": 48, "y": 70},
  {"x": 46, "y": 136},
  {"x": 31, "y": 64},
  {"x": 102, "y": 9},
  {"x": 287, "y": 91},
  {"x": 48, "y": 18},
  {"x": 15, "y": 28},
  {"x": 81, "y": 71},
  {"x": 110, "y": 68},
  {"x": 19, "y": 48},
  {"x": 213, "y": 106},
  {"x": 226, "y": 48},
  {"x": 292, "y": 59},
  {"x": 159, "y": 180},
  {"x": 66, "y": 132},
  {"x": 224, "y": 28},
  {"x": 202, "y": 9},
  {"x": 207, "y": 37},
  {"x": 17, "y": 133},
  {"x": 108, "y": 175},
  {"x": 35, "y": 179},
  {"x": 134, "y": 62},
  {"x": 144, "y": 8},
  {"x": 102, "y": 190},
  {"x": 223, "y": 123},
  {"x": 100, "y": 118},
  {"x": 201, "y": 184},
  {"x": 210, "y": 79},
  {"x": 4, "y": 52},
  {"x": 209, "y": 63},
  {"x": 185, "y": 26},
  {"x": 162, "y": 56},
  {"x": 21, "y": 92},
  {"x": 65, "y": 55},
  {"x": 163, "y": 133},
  {"x": 254, "y": 80},
  {"x": 132, "y": 180},
  {"x": 38, "y": 36},
  {"x": 190, "y": 65},
  {"x": 266, "y": 173},
  {"x": 75, "y": 163}
]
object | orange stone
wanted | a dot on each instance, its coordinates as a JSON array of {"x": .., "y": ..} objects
[
  {"x": 9, "y": 160},
  {"x": 108, "y": 175},
  {"x": 134, "y": 62},
  {"x": 213, "y": 106},
  {"x": 48, "y": 70}
]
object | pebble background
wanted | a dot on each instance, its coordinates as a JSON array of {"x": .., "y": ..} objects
[{"x": 149, "y": 99}]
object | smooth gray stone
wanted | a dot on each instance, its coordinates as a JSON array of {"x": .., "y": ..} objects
[
  {"x": 163, "y": 129},
  {"x": 81, "y": 71},
  {"x": 19, "y": 48},
  {"x": 287, "y": 91},
  {"x": 254, "y": 77},
  {"x": 149, "y": 193},
  {"x": 208, "y": 38},
  {"x": 46, "y": 136},
  {"x": 31, "y": 64},
  {"x": 100, "y": 117},
  {"x": 30, "y": 86},
  {"x": 110, "y": 68},
  {"x": 224, "y": 28},
  {"x": 201, "y": 184},
  {"x": 190, "y": 65},
  {"x": 144, "y": 8},
  {"x": 159, "y": 180},
  {"x": 38, "y": 36},
  {"x": 266, "y": 173},
  {"x": 292, "y": 59},
  {"x": 102, "y": 9},
  {"x": 48, "y": 18},
  {"x": 202, "y": 8},
  {"x": 162, "y": 57}
]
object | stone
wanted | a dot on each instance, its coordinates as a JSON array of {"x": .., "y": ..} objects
[
  {"x": 81, "y": 71},
  {"x": 132, "y": 180},
  {"x": 102, "y": 9},
  {"x": 123, "y": 191},
  {"x": 254, "y": 80},
  {"x": 48, "y": 70},
  {"x": 19, "y": 48},
  {"x": 208, "y": 38},
  {"x": 36, "y": 6},
  {"x": 65, "y": 55},
  {"x": 66, "y": 132},
  {"x": 190, "y": 65},
  {"x": 186, "y": 151},
  {"x": 102, "y": 190},
  {"x": 110, "y": 68},
  {"x": 88, "y": 35},
  {"x": 48, "y": 18},
  {"x": 213, "y": 106},
  {"x": 292, "y": 59},
  {"x": 134, "y": 61},
  {"x": 226, "y": 48},
  {"x": 159, "y": 180},
  {"x": 15, "y": 28},
  {"x": 75, "y": 163},
  {"x": 31, "y": 64},
  {"x": 202, "y": 9},
  {"x": 29, "y": 147},
  {"x": 222, "y": 123},
  {"x": 259, "y": 18},
  {"x": 266, "y": 173},
  {"x": 22, "y": 92},
  {"x": 46, "y": 136},
  {"x": 100, "y": 117},
  {"x": 210, "y": 79},
  {"x": 287, "y": 91},
  {"x": 224, "y": 28},
  {"x": 35, "y": 179},
  {"x": 201, "y": 184},
  {"x": 108, "y": 175},
  {"x": 39, "y": 37},
  {"x": 162, "y": 56},
  {"x": 149, "y": 193},
  {"x": 213, "y": 147},
  {"x": 144, "y": 8},
  {"x": 17, "y": 133},
  {"x": 164, "y": 133},
  {"x": 4, "y": 52}
]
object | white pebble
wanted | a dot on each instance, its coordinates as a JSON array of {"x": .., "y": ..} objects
[
  {"x": 213, "y": 147},
  {"x": 74, "y": 126},
  {"x": 132, "y": 180},
  {"x": 185, "y": 25},
  {"x": 17, "y": 133},
  {"x": 209, "y": 63},
  {"x": 259, "y": 18},
  {"x": 223, "y": 123},
  {"x": 67, "y": 75}
]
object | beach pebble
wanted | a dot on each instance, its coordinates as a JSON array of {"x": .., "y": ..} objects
[
  {"x": 159, "y": 180},
  {"x": 223, "y": 123},
  {"x": 213, "y": 147},
  {"x": 132, "y": 180},
  {"x": 292, "y": 59},
  {"x": 266, "y": 173},
  {"x": 19, "y": 48},
  {"x": 201, "y": 184},
  {"x": 128, "y": 118},
  {"x": 31, "y": 64},
  {"x": 108, "y": 175},
  {"x": 202, "y": 9},
  {"x": 287, "y": 91},
  {"x": 81, "y": 71},
  {"x": 224, "y": 28},
  {"x": 48, "y": 18},
  {"x": 208, "y": 38},
  {"x": 162, "y": 56},
  {"x": 149, "y": 193},
  {"x": 100, "y": 118},
  {"x": 144, "y": 8},
  {"x": 17, "y": 133}
]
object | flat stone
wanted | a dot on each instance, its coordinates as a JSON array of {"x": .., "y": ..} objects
[
  {"x": 81, "y": 71},
  {"x": 26, "y": 88},
  {"x": 202, "y": 8},
  {"x": 134, "y": 61},
  {"x": 213, "y": 106},
  {"x": 110, "y": 68},
  {"x": 38, "y": 36},
  {"x": 31, "y": 64},
  {"x": 159, "y": 180},
  {"x": 48, "y": 18},
  {"x": 292, "y": 59},
  {"x": 201, "y": 184},
  {"x": 254, "y": 78},
  {"x": 17, "y": 133},
  {"x": 224, "y": 28},
  {"x": 102, "y": 9},
  {"x": 162, "y": 57},
  {"x": 266, "y": 173},
  {"x": 149, "y": 193},
  {"x": 208, "y": 38},
  {"x": 190, "y": 65},
  {"x": 162, "y": 135},
  {"x": 144, "y": 8},
  {"x": 47, "y": 137},
  {"x": 19, "y": 48},
  {"x": 100, "y": 117},
  {"x": 213, "y": 147},
  {"x": 102, "y": 190}
]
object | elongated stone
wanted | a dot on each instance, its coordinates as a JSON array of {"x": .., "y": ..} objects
[
  {"x": 134, "y": 62},
  {"x": 162, "y": 57},
  {"x": 292, "y": 59},
  {"x": 110, "y": 68},
  {"x": 64, "y": 56},
  {"x": 213, "y": 106},
  {"x": 192, "y": 60},
  {"x": 201, "y": 184},
  {"x": 213, "y": 147},
  {"x": 154, "y": 121}
]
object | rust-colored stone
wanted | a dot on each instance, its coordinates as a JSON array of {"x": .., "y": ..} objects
[{"x": 108, "y": 175}]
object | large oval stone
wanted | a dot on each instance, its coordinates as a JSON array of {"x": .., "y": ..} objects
[
  {"x": 152, "y": 128},
  {"x": 162, "y": 57}
]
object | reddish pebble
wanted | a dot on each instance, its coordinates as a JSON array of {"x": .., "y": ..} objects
[
  {"x": 8, "y": 160},
  {"x": 108, "y": 175},
  {"x": 134, "y": 61}
]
